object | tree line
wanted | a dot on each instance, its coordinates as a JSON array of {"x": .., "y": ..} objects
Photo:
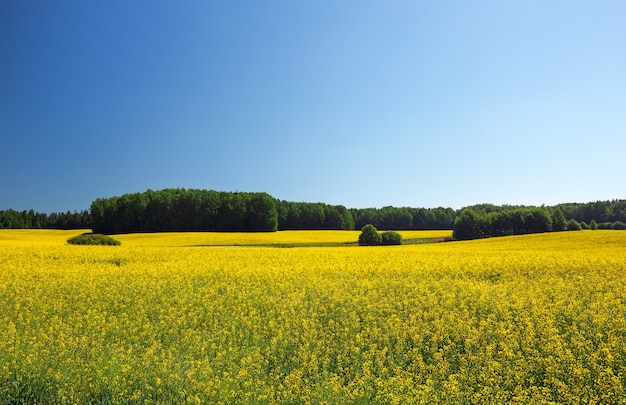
[
  {"x": 184, "y": 210},
  {"x": 403, "y": 218},
  {"x": 487, "y": 220},
  {"x": 302, "y": 215},
  {"x": 602, "y": 212},
  {"x": 472, "y": 223},
  {"x": 12, "y": 219},
  {"x": 179, "y": 209},
  {"x": 208, "y": 210},
  {"x": 311, "y": 216}
]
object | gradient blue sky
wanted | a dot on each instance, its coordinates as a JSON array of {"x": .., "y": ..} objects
[{"x": 359, "y": 103}]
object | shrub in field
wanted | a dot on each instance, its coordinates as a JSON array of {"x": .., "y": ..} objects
[
  {"x": 93, "y": 239},
  {"x": 593, "y": 225},
  {"x": 391, "y": 238},
  {"x": 369, "y": 236},
  {"x": 619, "y": 225}
]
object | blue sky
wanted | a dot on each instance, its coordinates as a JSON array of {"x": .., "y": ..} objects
[{"x": 359, "y": 103}]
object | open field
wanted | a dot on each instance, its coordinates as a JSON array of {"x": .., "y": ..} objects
[
  {"x": 281, "y": 238},
  {"x": 166, "y": 318},
  {"x": 38, "y": 237}
]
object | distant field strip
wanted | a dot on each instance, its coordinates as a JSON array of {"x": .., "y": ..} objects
[
  {"x": 36, "y": 237},
  {"x": 526, "y": 319},
  {"x": 259, "y": 238}
]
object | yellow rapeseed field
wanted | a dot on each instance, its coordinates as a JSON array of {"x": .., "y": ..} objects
[
  {"x": 187, "y": 239},
  {"x": 169, "y": 318}
]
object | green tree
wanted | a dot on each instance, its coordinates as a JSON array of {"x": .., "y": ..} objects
[
  {"x": 470, "y": 225},
  {"x": 593, "y": 225},
  {"x": 261, "y": 213},
  {"x": 369, "y": 236},
  {"x": 573, "y": 225},
  {"x": 559, "y": 223},
  {"x": 395, "y": 218},
  {"x": 619, "y": 225},
  {"x": 537, "y": 219},
  {"x": 391, "y": 238}
]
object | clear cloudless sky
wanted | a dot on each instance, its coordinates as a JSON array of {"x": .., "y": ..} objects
[{"x": 360, "y": 103}]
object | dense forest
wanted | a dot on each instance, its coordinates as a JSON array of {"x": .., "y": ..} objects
[
  {"x": 208, "y": 210},
  {"x": 602, "y": 212},
  {"x": 393, "y": 218},
  {"x": 184, "y": 210},
  {"x": 487, "y": 220},
  {"x": 472, "y": 223},
  {"x": 301, "y": 215}
]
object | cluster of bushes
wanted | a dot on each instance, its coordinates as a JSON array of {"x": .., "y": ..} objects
[
  {"x": 593, "y": 225},
  {"x": 573, "y": 225},
  {"x": 371, "y": 237},
  {"x": 93, "y": 239}
]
